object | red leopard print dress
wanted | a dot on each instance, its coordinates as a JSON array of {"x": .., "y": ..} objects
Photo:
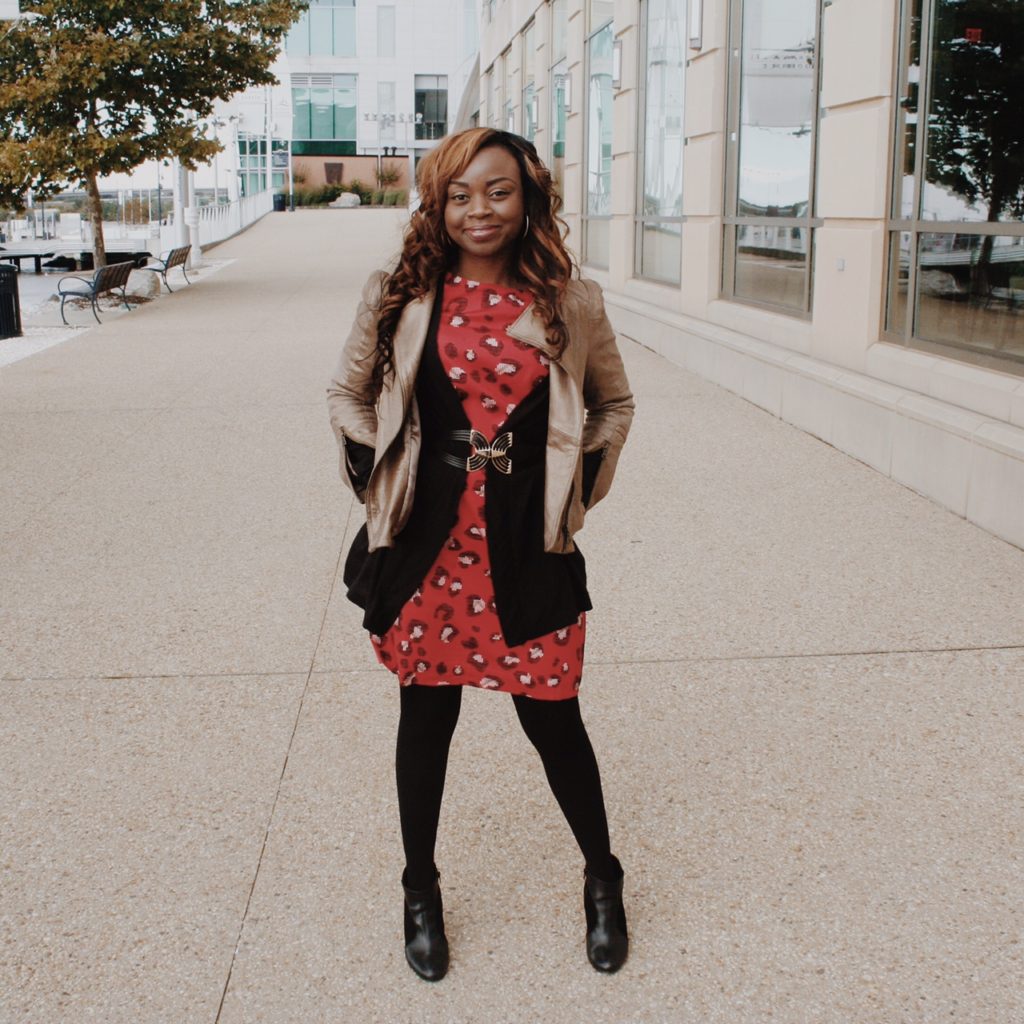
[{"x": 448, "y": 633}]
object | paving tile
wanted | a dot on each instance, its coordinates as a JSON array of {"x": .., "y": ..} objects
[
  {"x": 728, "y": 532},
  {"x": 206, "y": 542},
  {"x": 804, "y": 839},
  {"x": 133, "y": 814}
]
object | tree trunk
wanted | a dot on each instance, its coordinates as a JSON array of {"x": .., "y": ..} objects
[
  {"x": 981, "y": 272},
  {"x": 99, "y": 248}
]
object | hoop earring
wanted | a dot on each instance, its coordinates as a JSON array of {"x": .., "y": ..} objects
[{"x": 526, "y": 230}]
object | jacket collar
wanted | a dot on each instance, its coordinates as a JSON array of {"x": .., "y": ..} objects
[{"x": 529, "y": 327}]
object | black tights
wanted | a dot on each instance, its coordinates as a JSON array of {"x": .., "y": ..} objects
[{"x": 428, "y": 718}]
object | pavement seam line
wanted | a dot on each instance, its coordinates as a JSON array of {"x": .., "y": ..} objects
[
  {"x": 284, "y": 770},
  {"x": 811, "y": 654},
  {"x": 590, "y": 661}
]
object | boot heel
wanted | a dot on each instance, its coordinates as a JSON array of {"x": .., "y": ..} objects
[
  {"x": 426, "y": 945},
  {"x": 607, "y": 936}
]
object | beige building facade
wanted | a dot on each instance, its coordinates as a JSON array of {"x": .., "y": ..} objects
[{"x": 814, "y": 203}]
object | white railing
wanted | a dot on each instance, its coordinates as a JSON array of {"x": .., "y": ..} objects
[
  {"x": 216, "y": 222},
  {"x": 220, "y": 221}
]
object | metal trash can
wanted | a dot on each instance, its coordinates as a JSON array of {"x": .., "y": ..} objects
[
  {"x": 10, "y": 302},
  {"x": 279, "y": 202}
]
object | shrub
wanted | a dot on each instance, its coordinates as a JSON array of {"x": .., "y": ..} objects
[
  {"x": 361, "y": 190},
  {"x": 388, "y": 174},
  {"x": 390, "y": 198},
  {"x": 377, "y": 198}
]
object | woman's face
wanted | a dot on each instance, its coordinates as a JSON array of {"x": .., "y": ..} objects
[{"x": 484, "y": 213}]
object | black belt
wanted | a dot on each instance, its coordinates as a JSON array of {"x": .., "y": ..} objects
[
  {"x": 481, "y": 451},
  {"x": 498, "y": 452}
]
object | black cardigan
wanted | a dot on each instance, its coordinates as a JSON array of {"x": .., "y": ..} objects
[{"x": 535, "y": 591}]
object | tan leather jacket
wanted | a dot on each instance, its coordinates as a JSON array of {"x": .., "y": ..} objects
[{"x": 590, "y": 410}]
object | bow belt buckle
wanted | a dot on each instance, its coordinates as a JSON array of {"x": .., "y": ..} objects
[{"x": 496, "y": 451}]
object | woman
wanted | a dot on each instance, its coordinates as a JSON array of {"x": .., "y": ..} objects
[{"x": 480, "y": 406}]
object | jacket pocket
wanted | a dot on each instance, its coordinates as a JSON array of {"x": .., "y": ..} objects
[{"x": 591, "y": 467}]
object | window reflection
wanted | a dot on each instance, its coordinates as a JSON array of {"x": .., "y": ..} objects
[
  {"x": 771, "y": 263},
  {"x": 970, "y": 291},
  {"x": 559, "y": 22},
  {"x": 327, "y": 28},
  {"x": 951, "y": 282},
  {"x": 599, "y": 144},
  {"x": 529, "y": 84},
  {"x": 776, "y": 106},
  {"x": 559, "y": 74},
  {"x": 559, "y": 71},
  {"x": 908, "y": 111},
  {"x": 899, "y": 276},
  {"x": 323, "y": 107},
  {"x": 975, "y": 155},
  {"x": 660, "y": 242}
]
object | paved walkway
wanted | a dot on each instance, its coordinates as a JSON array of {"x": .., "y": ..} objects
[{"x": 805, "y": 685}]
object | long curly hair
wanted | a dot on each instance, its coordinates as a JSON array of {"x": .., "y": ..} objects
[{"x": 543, "y": 263}]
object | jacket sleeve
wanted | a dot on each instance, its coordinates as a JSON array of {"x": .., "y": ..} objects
[
  {"x": 608, "y": 399},
  {"x": 351, "y": 398}
]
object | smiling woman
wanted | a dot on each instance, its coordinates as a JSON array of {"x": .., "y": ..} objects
[
  {"x": 485, "y": 216},
  {"x": 480, "y": 405}
]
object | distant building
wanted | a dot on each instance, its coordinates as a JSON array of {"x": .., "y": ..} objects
[{"x": 367, "y": 78}]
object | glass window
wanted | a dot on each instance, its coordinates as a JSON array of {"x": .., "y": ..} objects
[
  {"x": 322, "y": 115},
  {"x": 558, "y": 74},
  {"x": 598, "y": 155},
  {"x": 559, "y": 80},
  {"x": 559, "y": 27},
  {"x": 470, "y": 29},
  {"x": 321, "y": 30},
  {"x": 492, "y": 100},
  {"x": 956, "y": 252},
  {"x": 431, "y": 106},
  {"x": 327, "y": 28},
  {"x": 529, "y": 83},
  {"x": 345, "y": 30},
  {"x": 506, "y": 92},
  {"x": 323, "y": 107},
  {"x": 344, "y": 107},
  {"x": 773, "y": 103},
  {"x": 300, "y": 112},
  {"x": 385, "y": 32},
  {"x": 660, "y": 203}
]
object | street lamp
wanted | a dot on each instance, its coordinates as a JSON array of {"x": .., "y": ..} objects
[{"x": 216, "y": 123}]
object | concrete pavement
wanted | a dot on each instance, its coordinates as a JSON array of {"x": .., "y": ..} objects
[{"x": 805, "y": 686}]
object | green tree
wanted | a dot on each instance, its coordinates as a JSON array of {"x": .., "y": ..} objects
[{"x": 89, "y": 89}]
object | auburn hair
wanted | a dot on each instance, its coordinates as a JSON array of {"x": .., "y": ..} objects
[{"x": 543, "y": 264}]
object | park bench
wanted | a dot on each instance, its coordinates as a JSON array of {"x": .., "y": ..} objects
[
  {"x": 107, "y": 279},
  {"x": 168, "y": 261}
]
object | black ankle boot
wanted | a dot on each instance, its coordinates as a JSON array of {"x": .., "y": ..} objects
[
  {"x": 426, "y": 946},
  {"x": 607, "y": 939}
]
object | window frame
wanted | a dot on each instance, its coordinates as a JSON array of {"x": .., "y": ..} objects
[
  {"x": 731, "y": 221},
  {"x": 913, "y": 224},
  {"x": 639, "y": 219},
  {"x": 585, "y": 217}
]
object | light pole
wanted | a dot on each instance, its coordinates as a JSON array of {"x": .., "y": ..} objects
[
  {"x": 216, "y": 123},
  {"x": 389, "y": 120}
]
